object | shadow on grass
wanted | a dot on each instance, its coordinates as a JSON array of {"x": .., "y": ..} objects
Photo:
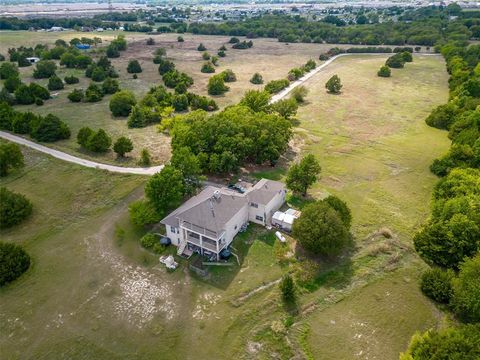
[{"x": 299, "y": 201}]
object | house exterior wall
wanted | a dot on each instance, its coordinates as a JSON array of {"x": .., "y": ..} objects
[
  {"x": 232, "y": 227},
  {"x": 253, "y": 212},
  {"x": 176, "y": 236},
  {"x": 274, "y": 204}
]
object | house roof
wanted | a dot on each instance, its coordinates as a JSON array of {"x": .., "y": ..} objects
[
  {"x": 264, "y": 191},
  {"x": 213, "y": 207}
]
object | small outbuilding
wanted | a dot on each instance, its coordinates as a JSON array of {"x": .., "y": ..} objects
[
  {"x": 33, "y": 59},
  {"x": 285, "y": 220}
]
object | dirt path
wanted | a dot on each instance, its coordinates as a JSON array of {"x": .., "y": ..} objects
[{"x": 76, "y": 160}]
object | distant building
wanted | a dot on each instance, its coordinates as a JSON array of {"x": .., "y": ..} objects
[
  {"x": 33, "y": 59},
  {"x": 207, "y": 223}
]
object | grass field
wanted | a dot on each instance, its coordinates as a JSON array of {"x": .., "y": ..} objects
[{"x": 93, "y": 293}]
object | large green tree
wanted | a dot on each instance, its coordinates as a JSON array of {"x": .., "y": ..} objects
[
  {"x": 14, "y": 261},
  {"x": 122, "y": 102},
  {"x": 10, "y": 157},
  {"x": 165, "y": 189},
  {"x": 304, "y": 174},
  {"x": 14, "y": 208},
  {"x": 466, "y": 290}
]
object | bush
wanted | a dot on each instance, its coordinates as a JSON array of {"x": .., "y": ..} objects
[
  {"x": 466, "y": 290},
  {"x": 180, "y": 102},
  {"x": 94, "y": 93},
  {"x": 112, "y": 52},
  {"x": 201, "y": 47},
  {"x": 98, "y": 74},
  {"x": 14, "y": 261},
  {"x": 23, "y": 95},
  {"x": 14, "y": 208},
  {"x": 256, "y": 79},
  {"x": 207, "y": 68},
  {"x": 275, "y": 86},
  {"x": 221, "y": 53},
  {"x": 299, "y": 93},
  {"x": 206, "y": 56},
  {"x": 44, "y": 69},
  {"x": 99, "y": 141},
  {"x": 71, "y": 80},
  {"x": 11, "y": 157},
  {"x": 76, "y": 95},
  {"x": 384, "y": 71},
  {"x": 7, "y": 70},
  {"x": 165, "y": 66},
  {"x": 407, "y": 56},
  {"x": 50, "y": 128},
  {"x": 287, "y": 287},
  {"x": 229, "y": 76},
  {"x": 180, "y": 39},
  {"x": 151, "y": 242},
  {"x": 145, "y": 159},
  {"x": 122, "y": 146},
  {"x": 216, "y": 85},
  {"x": 396, "y": 61},
  {"x": 22, "y": 123},
  {"x": 83, "y": 135},
  {"x": 134, "y": 67},
  {"x": 122, "y": 102},
  {"x": 55, "y": 83},
  {"x": 110, "y": 86},
  {"x": 334, "y": 85},
  {"x": 12, "y": 83},
  {"x": 243, "y": 45},
  {"x": 437, "y": 284},
  {"x": 320, "y": 230},
  {"x": 150, "y": 41}
]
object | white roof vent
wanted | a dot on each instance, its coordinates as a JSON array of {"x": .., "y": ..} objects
[{"x": 216, "y": 194}]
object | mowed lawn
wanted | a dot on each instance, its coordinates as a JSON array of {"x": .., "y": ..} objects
[{"x": 268, "y": 56}]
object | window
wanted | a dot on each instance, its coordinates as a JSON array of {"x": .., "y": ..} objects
[
  {"x": 235, "y": 227},
  {"x": 255, "y": 205},
  {"x": 194, "y": 235},
  {"x": 174, "y": 229},
  {"x": 259, "y": 218}
]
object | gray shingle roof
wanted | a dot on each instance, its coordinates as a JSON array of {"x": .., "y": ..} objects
[{"x": 264, "y": 191}]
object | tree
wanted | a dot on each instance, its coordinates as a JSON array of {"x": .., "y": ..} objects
[
  {"x": 112, "y": 52},
  {"x": 256, "y": 100},
  {"x": 216, "y": 85},
  {"x": 180, "y": 102},
  {"x": 144, "y": 158},
  {"x": 6, "y": 97},
  {"x": 447, "y": 343},
  {"x": 150, "y": 41},
  {"x": 165, "y": 189},
  {"x": 320, "y": 230},
  {"x": 184, "y": 160},
  {"x": 466, "y": 290},
  {"x": 299, "y": 93},
  {"x": 165, "y": 66},
  {"x": 49, "y": 129},
  {"x": 14, "y": 208},
  {"x": 436, "y": 283},
  {"x": 71, "y": 80},
  {"x": 407, "y": 56},
  {"x": 110, "y": 86},
  {"x": 207, "y": 68},
  {"x": 384, "y": 71},
  {"x": 143, "y": 213},
  {"x": 12, "y": 83},
  {"x": 201, "y": 47},
  {"x": 14, "y": 261},
  {"x": 44, "y": 69},
  {"x": 256, "y": 79},
  {"x": 285, "y": 107},
  {"x": 7, "y": 70},
  {"x": 39, "y": 91},
  {"x": 275, "y": 86},
  {"x": 76, "y": 95},
  {"x": 134, "y": 67},
  {"x": 334, "y": 85},
  {"x": 55, "y": 83},
  {"x": 180, "y": 39},
  {"x": 122, "y": 102},
  {"x": 83, "y": 135},
  {"x": 22, "y": 122},
  {"x": 287, "y": 287},
  {"x": 11, "y": 157},
  {"x": 99, "y": 141},
  {"x": 341, "y": 208},
  {"x": 304, "y": 174},
  {"x": 98, "y": 74},
  {"x": 23, "y": 95},
  {"x": 122, "y": 146},
  {"x": 93, "y": 93}
]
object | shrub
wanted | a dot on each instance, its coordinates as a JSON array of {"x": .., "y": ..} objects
[
  {"x": 22, "y": 123},
  {"x": 407, "y": 56},
  {"x": 216, "y": 85},
  {"x": 83, "y": 135},
  {"x": 6, "y": 97},
  {"x": 275, "y": 86},
  {"x": 201, "y": 47},
  {"x": 180, "y": 39},
  {"x": 243, "y": 45},
  {"x": 320, "y": 230},
  {"x": 23, "y": 95},
  {"x": 437, "y": 284},
  {"x": 14, "y": 208},
  {"x": 98, "y": 74},
  {"x": 94, "y": 93},
  {"x": 110, "y": 86},
  {"x": 334, "y": 85},
  {"x": 122, "y": 146},
  {"x": 256, "y": 79},
  {"x": 180, "y": 102},
  {"x": 466, "y": 290},
  {"x": 145, "y": 159},
  {"x": 39, "y": 102},
  {"x": 150, "y": 41},
  {"x": 39, "y": 91},
  {"x": 71, "y": 80},
  {"x": 299, "y": 93},
  {"x": 76, "y": 95},
  {"x": 14, "y": 261},
  {"x": 384, "y": 71},
  {"x": 50, "y": 128},
  {"x": 396, "y": 61},
  {"x": 229, "y": 76},
  {"x": 221, "y": 53},
  {"x": 207, "y": 68},
  {"x": 99, "y": 141},
  {"x": 233, "y": 40},
  {"x": 151, "y": 242},
  {"x": 44, "y": 69},
  {"x": 256, "y": 100},
  {"x": 55, "y": 83},
  {"x": 206, "y": 56},
  {"x": 165, "y": 66},
  {"x": 12, "y": 83},
  {"x": 122, "y": 102},
  {"x": 287, "y": 287},
  {"x": 134, "y": 67},
  {"x": 285, "y": 107},
  {"x": 7, "y": 70},
  {"x": 112, "y": 52},
  {"x": 11, "y": 157}
]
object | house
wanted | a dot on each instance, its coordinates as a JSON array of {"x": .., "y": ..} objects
[
  {"x": 33, "y": 59},
  {"x": 208, "y": 222}
]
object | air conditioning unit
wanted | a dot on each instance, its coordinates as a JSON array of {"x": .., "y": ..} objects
[{"x": 216, "y": 194}]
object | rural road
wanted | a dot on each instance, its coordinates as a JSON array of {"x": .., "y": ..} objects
[
  {"x": 76, "y": 160},
  {"x": 154, "y": 169}
]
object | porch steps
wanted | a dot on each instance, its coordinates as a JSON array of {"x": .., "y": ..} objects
[{"x": 181, "y": 248}]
